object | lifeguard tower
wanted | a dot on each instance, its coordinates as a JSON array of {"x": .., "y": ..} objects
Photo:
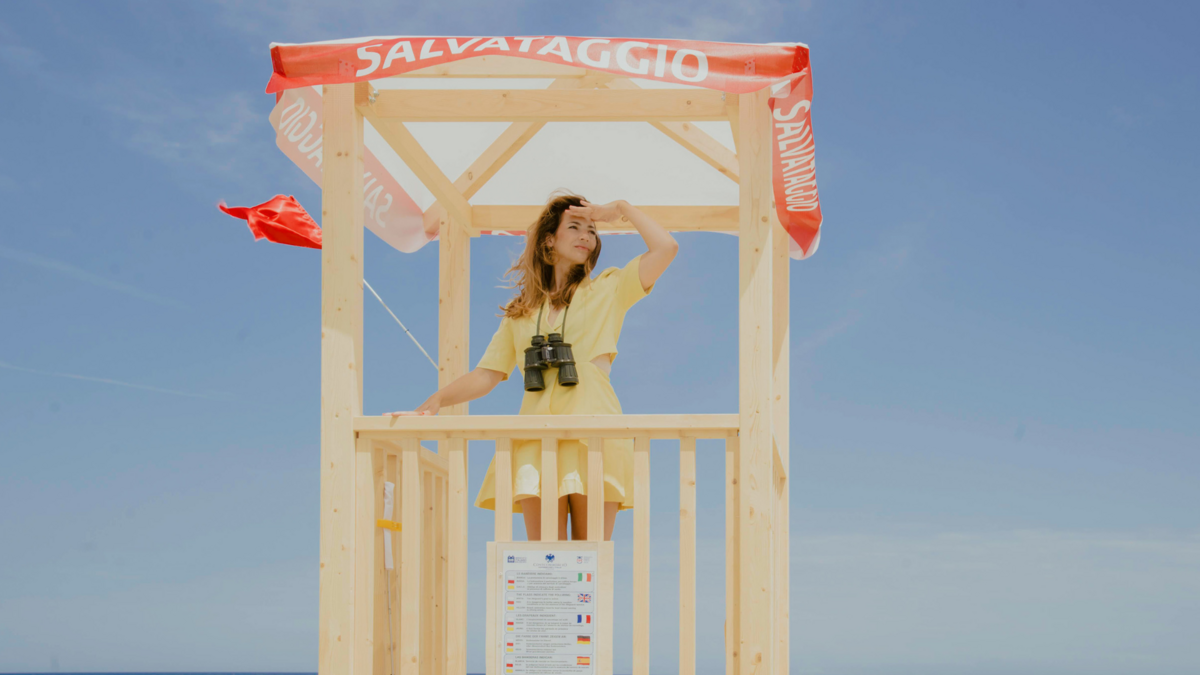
[{"x": 344, "y": 114}]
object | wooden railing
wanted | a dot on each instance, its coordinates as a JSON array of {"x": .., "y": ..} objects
[
  {"x": 442, "y": 649},
  {"x": 405, "y": 605}
]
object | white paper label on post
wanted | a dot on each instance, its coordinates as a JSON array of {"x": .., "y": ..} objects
[{"x": 547, "y": 604}]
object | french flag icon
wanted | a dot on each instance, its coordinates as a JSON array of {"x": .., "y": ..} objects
[{"x": 583, "y": 618}]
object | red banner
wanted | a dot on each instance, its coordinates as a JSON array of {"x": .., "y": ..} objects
[
  {"x": 794, "y": 164},
  {"x": 388, "y": 211},
  {"x": 735, "y": 68},
  {"x": 729, "y": 67}
]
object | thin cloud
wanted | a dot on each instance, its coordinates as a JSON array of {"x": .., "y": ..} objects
[
  {"x": 85, "y": 276},
  {"x": 119, "y": 383},
  {"x": 828, "y": 333}
]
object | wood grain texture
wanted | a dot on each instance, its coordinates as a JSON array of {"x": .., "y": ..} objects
[
  {"x": 439, "y": 575},
  {"x": 549, "y": 489},
  {"x": 511, "y": 218},
  {"x": 411, "y": 559},
  {"x": 732, "y": 588},
  {"x": 781, "y": 419},
  {"x": 544, "y": 105},
  {"x": 457, "y": 510},
  {"x": 595, "y": 489},
  {"x": 641, "y": 555},
  {"x": 341, "y": 374},
  {"x": 429, "y": 565},
  {"x": 502, "y": 474},
  {"x": 486, "y": 427},
  {"x": 687, "y": 556},
  {"x": 393, "y": 582},
  {"x": 497, "y": 66},
  {"x": 755, "y": 405},
  {"x": 454, "y": 306}
]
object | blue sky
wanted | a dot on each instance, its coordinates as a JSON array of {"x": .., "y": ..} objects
[{"x": 994, "y": 385}]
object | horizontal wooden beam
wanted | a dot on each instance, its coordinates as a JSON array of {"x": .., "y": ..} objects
[
  {"x": 544, "y": 105},
  {"x": 498, "y": 66},
  {"x": 490, "y": 427},
  {"x": 674, "y": 218}
]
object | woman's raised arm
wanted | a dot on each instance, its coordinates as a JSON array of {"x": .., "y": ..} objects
[
  {"x": 661, "y": 246},
  {"x": 469, "y": 387}
]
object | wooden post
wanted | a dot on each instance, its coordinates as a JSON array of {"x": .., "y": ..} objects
[
  {"x": 393, "y": 580},
  {"x": 781, "y": 420},
  {"x": 429, "y": 564},
  {"x": 641, "y": 555},
  {"x": 409, "y": 660},
  {"x": 341, "y": 373},
  {"x": 687, "y": 556},
  {"x": 502, "y": 479},
  {"x": 731, "y": 555},
  {"x": 370, "y": 604},
  {"x": 595, "y": 489},
  {"x": 454, "y": 300},
  {"x": 549, "y": 489},
  {"x": 755, "y": 372}
]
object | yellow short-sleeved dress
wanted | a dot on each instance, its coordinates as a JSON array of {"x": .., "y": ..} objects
[{"x": 593, "y": 324}]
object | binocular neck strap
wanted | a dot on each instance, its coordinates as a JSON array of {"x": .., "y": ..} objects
[{"x": 538, "y": 330}]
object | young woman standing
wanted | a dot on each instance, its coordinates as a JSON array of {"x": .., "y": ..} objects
[{"x": 557, "y": 294}]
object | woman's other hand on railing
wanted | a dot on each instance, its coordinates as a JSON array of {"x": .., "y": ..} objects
[{"x": 409, "y": 413}]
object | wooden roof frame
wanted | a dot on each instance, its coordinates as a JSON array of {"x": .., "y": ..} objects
[{"x": 757, "y": 462}]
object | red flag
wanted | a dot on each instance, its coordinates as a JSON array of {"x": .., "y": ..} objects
[{"x": 281, "y": 220}]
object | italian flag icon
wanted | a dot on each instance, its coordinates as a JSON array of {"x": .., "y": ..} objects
[{"x": 582, "y": 577}]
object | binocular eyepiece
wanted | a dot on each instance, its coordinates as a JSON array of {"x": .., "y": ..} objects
[{"x": 546, "y": 353}]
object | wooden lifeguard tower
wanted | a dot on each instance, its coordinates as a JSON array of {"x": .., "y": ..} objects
[{"x": 359, "y": 453}]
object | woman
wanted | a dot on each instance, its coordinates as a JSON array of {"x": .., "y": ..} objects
[{"x": 556, "y": 294}]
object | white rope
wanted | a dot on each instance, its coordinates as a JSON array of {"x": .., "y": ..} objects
[{"x": 414, "y": 339}]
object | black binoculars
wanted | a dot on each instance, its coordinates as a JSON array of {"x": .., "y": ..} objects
[{"x": 552, "y": 353}]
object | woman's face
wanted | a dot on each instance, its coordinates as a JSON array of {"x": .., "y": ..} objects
[{"x": 574, "y": 240}]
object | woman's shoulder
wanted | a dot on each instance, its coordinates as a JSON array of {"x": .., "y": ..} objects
[{"x": 612, "y": 274}]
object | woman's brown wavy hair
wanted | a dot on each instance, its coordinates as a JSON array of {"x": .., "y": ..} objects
[{"x": 533, "y": 273}]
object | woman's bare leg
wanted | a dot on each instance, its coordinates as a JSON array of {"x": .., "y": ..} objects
[
  {"x": 531, "y": 508},
  {"x": 579, "y": 517}
]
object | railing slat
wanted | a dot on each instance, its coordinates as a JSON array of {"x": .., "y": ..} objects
[
  {"x": 549, "y": 489},
  {"x": 365, "y": 555},
  {"x": 782, "y": 577},
  {"x": 410, "y": 562},
  {"x": 428, "y": 648},
  {"x": 731, "y": 554},
  {"x": 595, "y": 490},
  {"x": 393, "y": 579},
  {"x": 456, "y": 558},
  {"x": 687, "y": 556},
  {"x": 439, "y": 575},
  {"x": 502, "y": 473},
  {"x": 641, "y": 555}
]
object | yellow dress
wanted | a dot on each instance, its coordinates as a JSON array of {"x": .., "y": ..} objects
[{"x": 594, "y": 321}]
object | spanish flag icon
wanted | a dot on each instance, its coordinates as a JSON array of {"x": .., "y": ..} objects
[{"x": 583, "y": 660}]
